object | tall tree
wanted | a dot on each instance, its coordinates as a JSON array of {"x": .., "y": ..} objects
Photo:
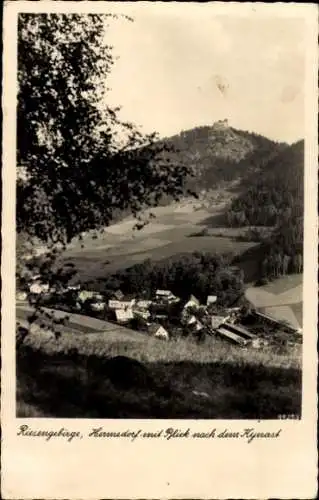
[{"x": 80, "y": 163}]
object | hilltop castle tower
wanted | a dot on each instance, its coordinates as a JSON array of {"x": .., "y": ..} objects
[{"x": 221, "y": 124}]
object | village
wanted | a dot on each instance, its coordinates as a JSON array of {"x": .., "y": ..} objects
[{"x": 166, "y": 316}]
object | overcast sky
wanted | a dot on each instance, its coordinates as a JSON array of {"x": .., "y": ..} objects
[{"x": 176, "y": 72}]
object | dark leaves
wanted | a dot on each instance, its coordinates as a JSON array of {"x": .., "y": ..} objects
[
  {"x": 80, "y": 165},
  {"x": 79, "y": 172}
]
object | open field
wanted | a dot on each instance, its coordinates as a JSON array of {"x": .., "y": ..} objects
[
  {"x": 282, "y": 313},
  {"x": 96, "y": 263},
  {"x": 170, "y": 233},
  {"x": 284, "y": 284},
  {"x": 183, "y": 379},
  {"x": 298, "y": 311},
  {"x": 281, "y": 299}
]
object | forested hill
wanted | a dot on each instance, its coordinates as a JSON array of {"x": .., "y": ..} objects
[
  {"x": 275, "y": 195},
  {"x": 220, "y": 153},
  {"x": 275, "y": 198}
]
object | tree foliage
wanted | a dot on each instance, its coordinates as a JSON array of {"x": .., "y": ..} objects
[
  {"x": 276, "y": 195},
  {"x": 275, "y": 199},
  {"x": 79, "y": 164}
]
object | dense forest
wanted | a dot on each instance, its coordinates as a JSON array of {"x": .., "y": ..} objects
[
  {"x": 284, "y": 250},
  {"x": 275, "y": 195},
  {"x": 275, "y": 198}
]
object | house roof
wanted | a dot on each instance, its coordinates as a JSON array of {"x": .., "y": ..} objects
[
  {"x": 34, "y": 287},
  {"x": 98, "y": 296},
  {"x": 154, "y": 327},
  {"x": 199, "y": 325},
  {"x": 122, "y": 301},
  {"x": 144, "y": 313},
  {"x": 211, "y": 299},
  {"x": 164, "y": 292},
  {"x": 120, "y": 304},
  {"x": 143, "y": 302},
  {"x": 192, "y": 297},
  {"x": 123, "y": 314},
  {"x": 161, "y": 308},
  {"x": 192, "y": 300},
  {"x": 191, "y": 320}
]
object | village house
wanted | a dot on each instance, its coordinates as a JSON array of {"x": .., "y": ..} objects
[
  {"x": 123, "y": 315},
  {"x": 191, "y": 320},
  {"x": 143, "y": 304},
  {"x": 195, "y": 324},
  {"x": 36, "y": 277},
  {"x": 160, "y": 316},
  {"x": 121, "y": 304},
  {"x": 192, "y": 302},
  {"x": 159, "y": 311},
  {"x": 98, "y": 306},
  {"x": 158, "y": 331},
  {"x": 211, "y": 299},
  {"x": 142, "y": 313},
  {"x": 232, "y": 310},
  {"x": 37, "y": 287},
  {"x": 166, "y": 296},
  {"x": 191, "y": 305},
  {"x": 84, "y": 295},
  {"x": 21, "y": 296}
]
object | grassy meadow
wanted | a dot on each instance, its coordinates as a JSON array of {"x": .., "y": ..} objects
[
  {"x": 174, "y": 231},
  {"x": 282, "y": 298},
  {"x": 284, "y": 284},
  {"x": 183, "y": 379}
]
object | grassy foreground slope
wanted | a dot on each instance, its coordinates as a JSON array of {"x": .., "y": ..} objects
[{"x": 181, "y": 379}]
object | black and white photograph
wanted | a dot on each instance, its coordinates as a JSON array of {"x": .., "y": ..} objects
[{"x": 159, "y": 214}]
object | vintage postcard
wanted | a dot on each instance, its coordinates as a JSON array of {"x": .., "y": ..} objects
[{"x": 159, "y": 262}]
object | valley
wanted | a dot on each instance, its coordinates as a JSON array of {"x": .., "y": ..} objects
[{"x": 173, "y": 232}]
